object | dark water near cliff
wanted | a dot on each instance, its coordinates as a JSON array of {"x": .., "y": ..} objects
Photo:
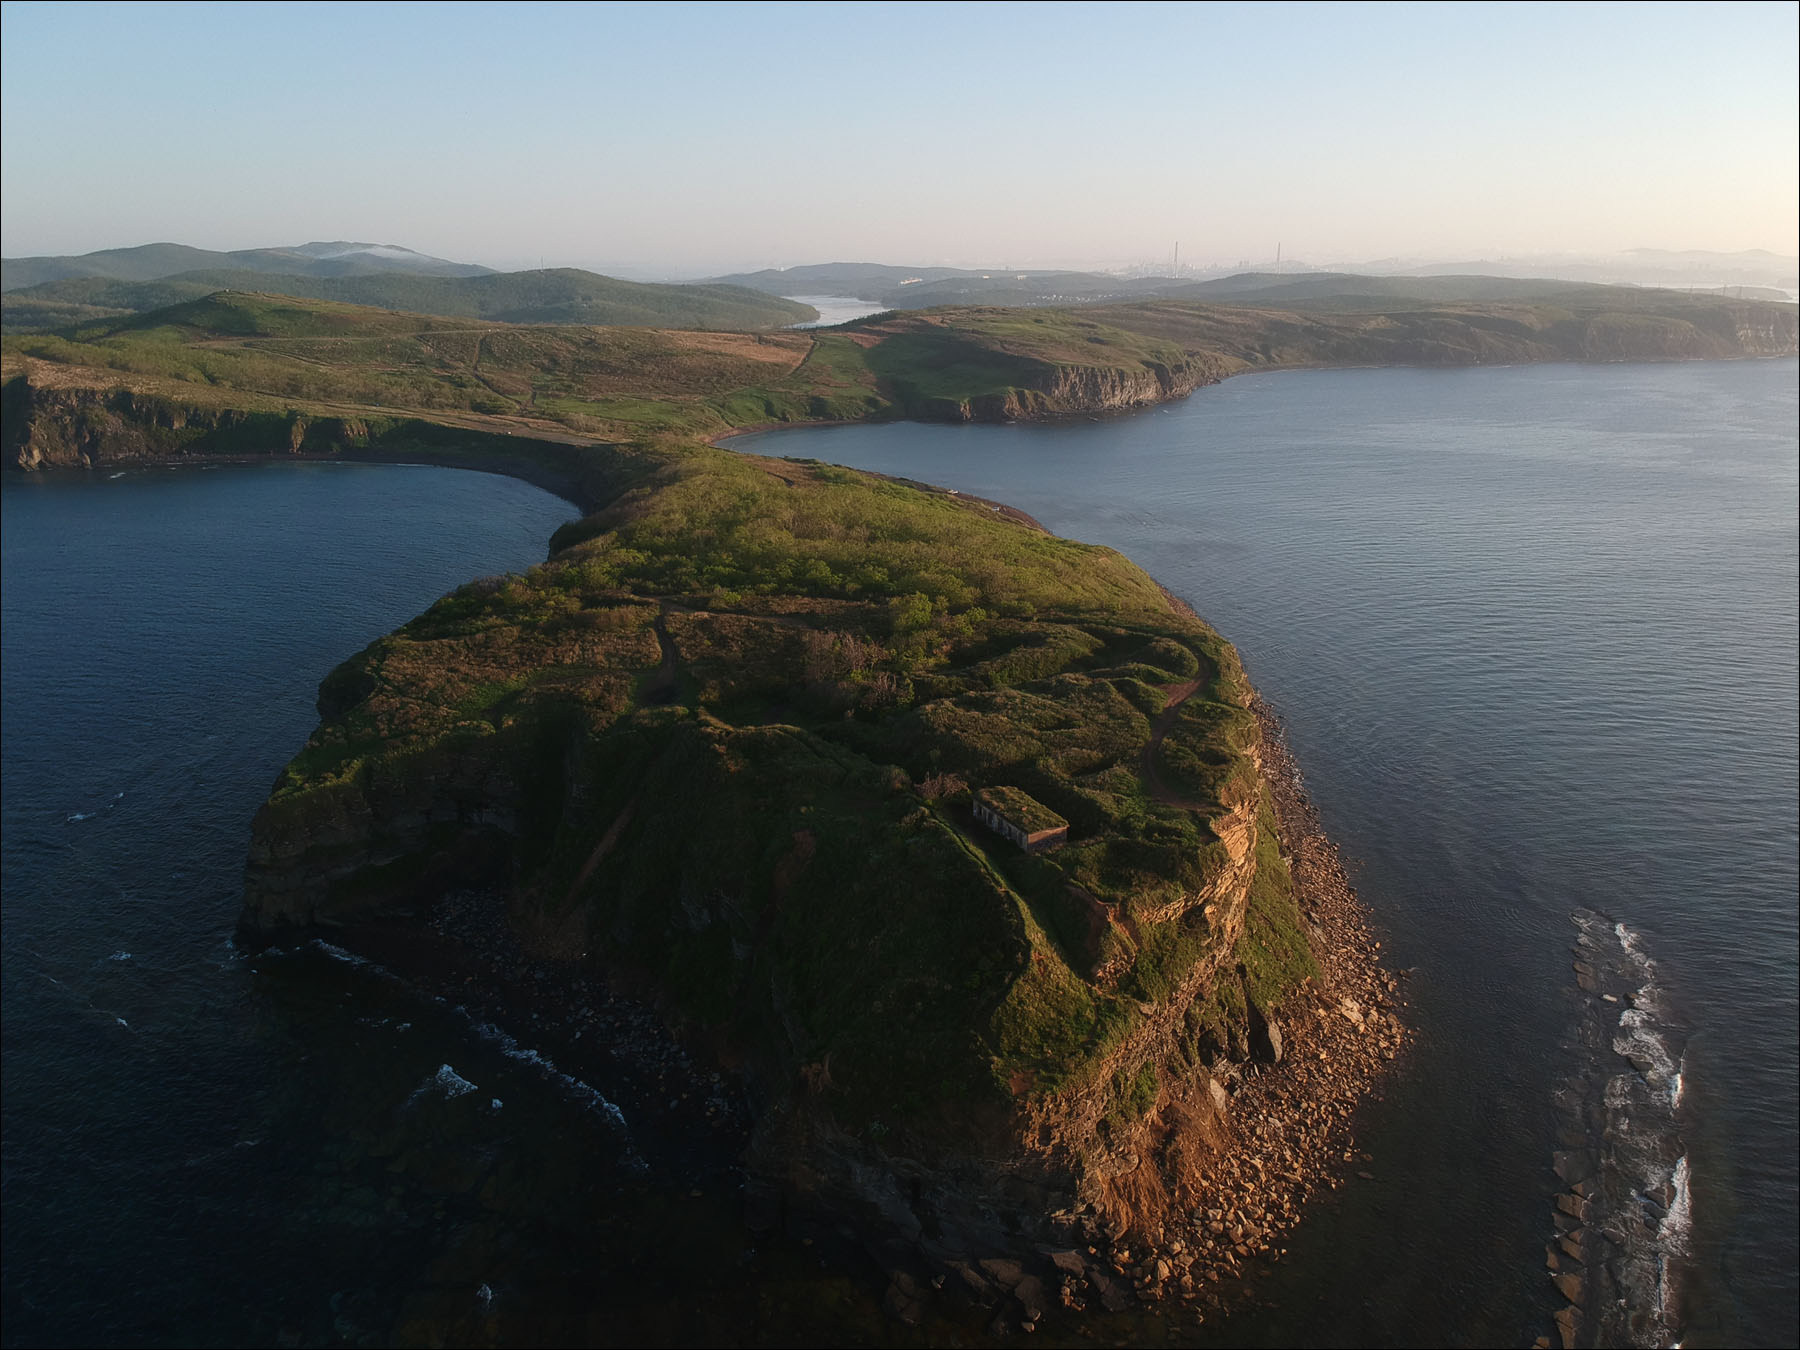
[
  {"x": 299, "y": 1148},
  {"x": 1533, "y": 631},
  {"x": 176, "y": 1142},
  {"x": 1534, "y": 635}
]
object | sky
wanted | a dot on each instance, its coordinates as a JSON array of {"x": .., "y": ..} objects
[{"x": 698, "y": 137}]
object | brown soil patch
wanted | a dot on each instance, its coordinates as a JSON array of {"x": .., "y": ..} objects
[{"x": 784, "y": 351}]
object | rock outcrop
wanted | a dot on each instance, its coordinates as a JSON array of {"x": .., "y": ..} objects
[
  {"x": 81, "y": 427},
  {"x": 48, "y": 423},
  {"x": 1071, "y": 390},
  {"x": 758, "y": 808}
]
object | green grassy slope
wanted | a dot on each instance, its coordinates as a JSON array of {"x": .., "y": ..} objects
[
  {"x": 774, "y": 686},
  {"x": 331, "y": 357},
  {"x": 1585, "y": 324},
  {"x": 624, "y": 383},
  {"x": 925, "y": 288},
  {"x": 728, "y": 733},
  {"x": 559, "y": 295}
]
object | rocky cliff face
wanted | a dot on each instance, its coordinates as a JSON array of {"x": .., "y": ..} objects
[
  {"x": 1061, "y": 391},
  {"x": 1766, "y": 330},
  {"x": 388, "y": 843},
  {"x": 392, "y": 835},
  {"x": 82, "y": 428},
  {"x": 1095, "y": 389},
  {"x": 758, "y": 808},
  {"x": 75, "y": 426},
  {"x": 1726, "y": 332}
]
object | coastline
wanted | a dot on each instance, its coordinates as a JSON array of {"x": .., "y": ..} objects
[
  {"x": 1292, "y": 1123},
  {"x": 1416, "y": 1096},
  {"x": 1289, "y": 1132},
  {"x": 1287, "y": 1125},
  {"x": 1295, "y": 1112},
  {"x": 565, "y": 486}
]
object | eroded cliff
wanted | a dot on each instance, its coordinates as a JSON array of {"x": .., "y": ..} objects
[{"x": 725, "y": 745}]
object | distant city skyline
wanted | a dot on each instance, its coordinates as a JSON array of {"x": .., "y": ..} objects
[{"x": 709, "y": 138}]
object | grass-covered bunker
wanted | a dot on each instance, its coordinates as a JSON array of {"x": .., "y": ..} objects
[{"x": 1021, "y": 818}]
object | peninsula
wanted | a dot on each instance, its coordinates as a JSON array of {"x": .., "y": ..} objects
[{"x": 727, "y": 744}]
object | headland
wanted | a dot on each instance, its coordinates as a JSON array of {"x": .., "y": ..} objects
[{"x": 720, "y": 752}]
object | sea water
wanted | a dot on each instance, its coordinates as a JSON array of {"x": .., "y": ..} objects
[{"x": 1533, "y": 632}]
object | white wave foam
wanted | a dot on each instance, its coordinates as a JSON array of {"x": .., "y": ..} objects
[
  {"x": 447, "y": 1081},
  {"x": 1631, "y": 943},
  {"x": 1678, "y": 1223},
  {"x": 81, "y": 815},
  {"x": 1644, "y": 1167},
  {"x": 119, "y": 956},
  {"x": 1672, "y": 1248},
  {"x": 1642, "y": 1041},
  {"x": 584, "y": 1094},
  {"x": 338, "y": 953}
]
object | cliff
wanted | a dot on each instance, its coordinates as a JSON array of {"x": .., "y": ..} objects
[
  {"x": 82, "y": 426},
  {"x": 739, "y": 772},
  {"x": 242, "y": 373},
  {"x": 1620, "y": 326},
  {"x": 723, "y": 743}
]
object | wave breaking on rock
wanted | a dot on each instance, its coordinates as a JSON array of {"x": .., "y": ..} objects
[{"x": 1622, "y": 1242}]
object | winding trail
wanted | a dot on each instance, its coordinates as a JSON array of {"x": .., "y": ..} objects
[{"x": 1178, "y": 694}]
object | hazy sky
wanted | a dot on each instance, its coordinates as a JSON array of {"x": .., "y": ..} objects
[{"x": 703, "y": 136}]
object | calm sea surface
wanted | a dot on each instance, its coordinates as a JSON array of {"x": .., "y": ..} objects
[
  {"x": 173, "y": 1130},
  {"x": 835, "y": 309},
  {"x": 1533, "y": 632}
]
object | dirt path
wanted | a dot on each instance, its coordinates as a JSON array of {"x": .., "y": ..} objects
[
  {"x": 1152, "y": 776},
  {"x": 475, "y": 370},
  {"x": 661, "y": 688}
]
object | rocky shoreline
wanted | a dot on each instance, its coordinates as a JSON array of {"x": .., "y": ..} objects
[
  {"x": 1291, "y": 1121},
  {"x": 1288, "y": 1138}
]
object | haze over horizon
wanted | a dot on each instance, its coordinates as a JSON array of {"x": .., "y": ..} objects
[{"x": 714, "y": 138}]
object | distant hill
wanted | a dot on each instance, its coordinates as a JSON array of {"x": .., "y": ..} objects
[
  {"x": 904, "y": 288},
  {"x": 1348, "y": 290},
  {"x": 321, "y": 361},
  {"x": 151, "y": 262},
  {"x": 1681, "y": 269},
  {"x": 870, "y": 281},
  {"x": 562, "y": 295},
  {"x": 923, "y": 287}
]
